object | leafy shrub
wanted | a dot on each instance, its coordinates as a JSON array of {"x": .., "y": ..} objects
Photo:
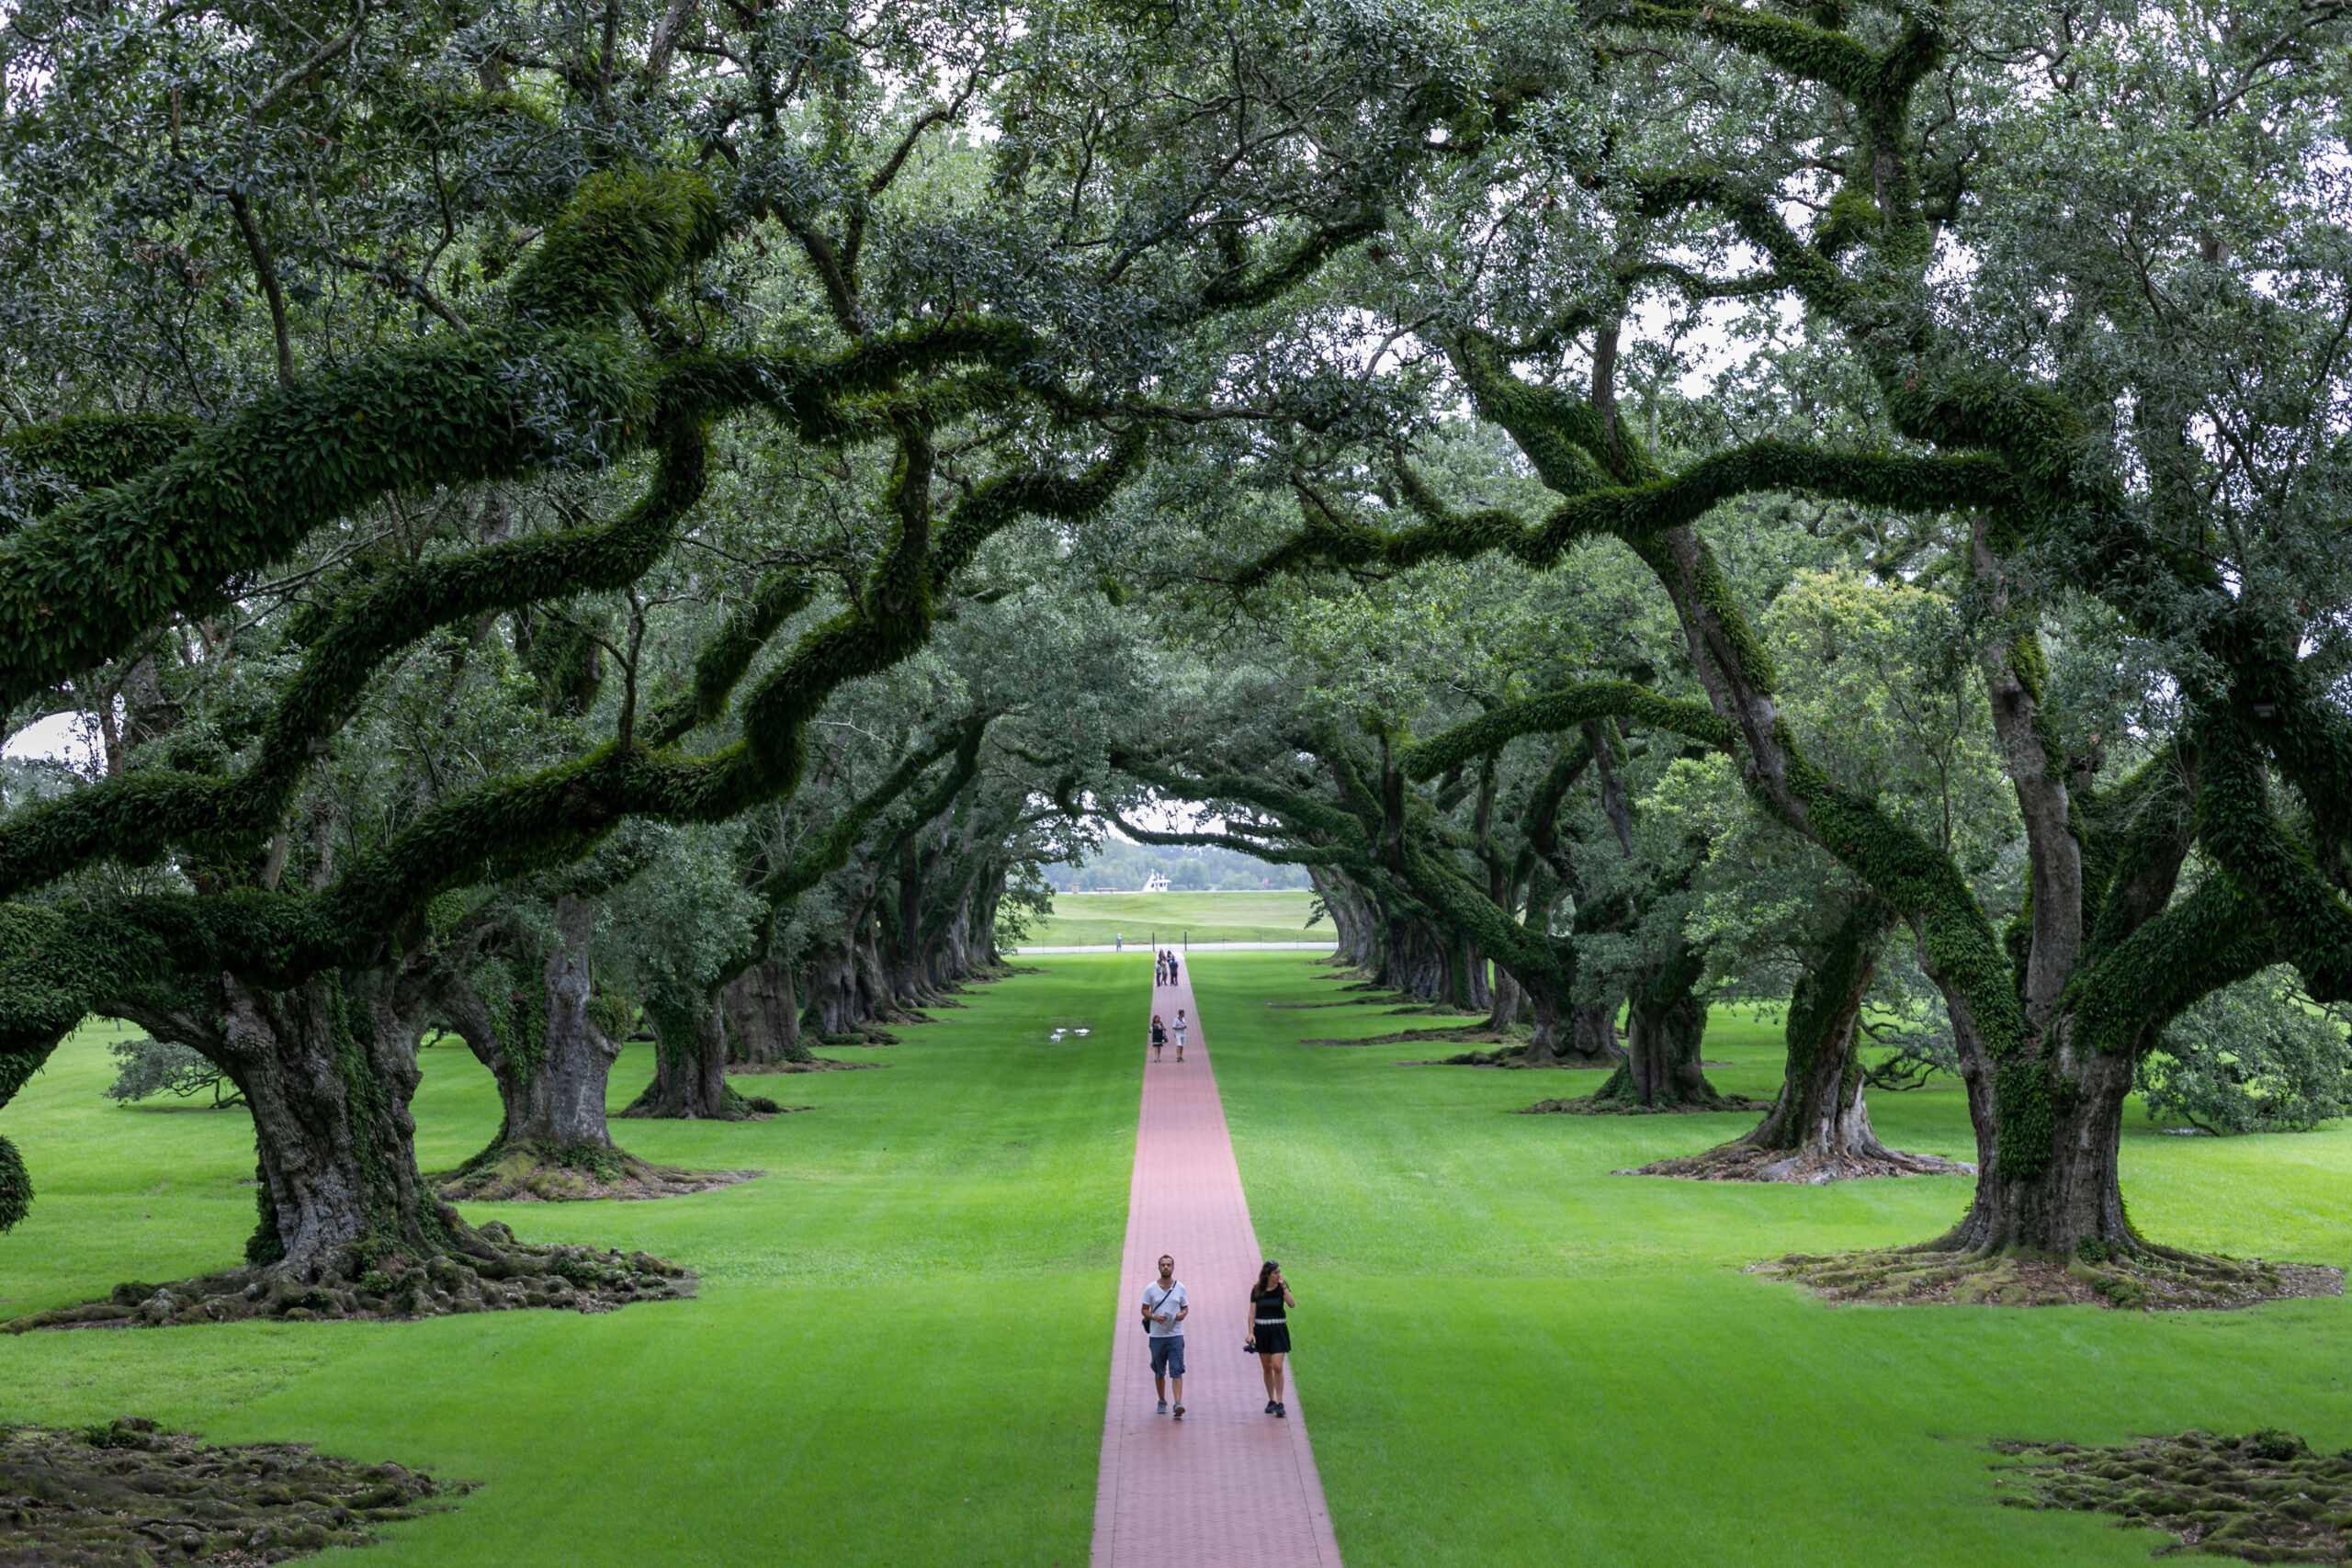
[
  {"x": 2253, "y": 1057},
  {"x": 144, "y": 1068}
]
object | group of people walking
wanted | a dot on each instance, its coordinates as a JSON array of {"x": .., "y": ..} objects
[
  {"x": 1166, "y": 1305},
  {"x": 1169, "y": 971}
]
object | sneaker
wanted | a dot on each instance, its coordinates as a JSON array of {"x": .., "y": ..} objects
[
  {"x": 1180, "y": 1412},
  {"x": 1281, "y": 1409},
  {"x": 1269, "y": 1407},
  {"x": 1163, "y": 1407}
]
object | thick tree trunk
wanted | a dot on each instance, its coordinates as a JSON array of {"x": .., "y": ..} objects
[
  {"x": 328, "y": 1067},
  {"x": 1665, "y": 1023},
  {"x": 1592, "y": 1031},
  {"x": 689, "y": 1066},
  {"x": 1504, "y": 1012},
  {"x": 1819, "y": 1128},
  {"x": 347, "y": 1224},
  {"x": 551, "y": 1087},
  {"x": 2056, "y": 1192},
  {"x": 832, "y": 990},
  {"x": 762, "y": 1020}
]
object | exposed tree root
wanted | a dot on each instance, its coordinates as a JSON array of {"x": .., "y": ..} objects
[
  {"x": 495, "y": 1273},
  {"x": 2151, "y": 1278},
  {"x": 863, "y": 1034},
  {"x": 534, "y": 1172},
  {"x": 1813, "y": 1167},
  {"x": 126, "y": 1495},
  {"x": 1594, "y": 1105},
  {"x": 814, "y": 1065},
  {"x": 2264, "y": 1497},
  {"x": 1409, "y": 1036},
  {"x": 1510, "y": 1057}
]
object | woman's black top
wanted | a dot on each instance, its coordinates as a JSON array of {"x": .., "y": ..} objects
[
  {"x": 1158, "y": 1033},
  {"x": 1266, "y": 1304}
]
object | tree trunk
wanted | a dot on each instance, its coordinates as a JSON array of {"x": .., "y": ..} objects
[
  {"x": 1819, "y": 1128},
  {"x": 1504, "y": 1012},
  {"x": 762, "y": 1022},
  {"x": 1592, "y": 1031},
  {"x": 551, "y": 1087},
  {"x": 1664, "y": 1024},
  {"x": 2055, "y": 1194},
  {"x": 833, "y": 990},
  {"x": 689, "y": 1065},
  {"x": 328, "y": 1067}
]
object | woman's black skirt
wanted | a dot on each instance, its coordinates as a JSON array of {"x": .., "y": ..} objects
[{"x": 1274, "y": 1338}]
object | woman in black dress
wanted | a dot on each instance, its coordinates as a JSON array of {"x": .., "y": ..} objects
[
  {"x": 1159, "y": 1036},
  {"x": 1269, "y": 1303}
]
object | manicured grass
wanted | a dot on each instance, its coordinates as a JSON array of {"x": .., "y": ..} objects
[
  {"x": 1509, "y": 1355},
  {"x": 868, "y": 1376},
  {"x": 899, "y": 1354},
  {"x": 1082, "y": 919}
]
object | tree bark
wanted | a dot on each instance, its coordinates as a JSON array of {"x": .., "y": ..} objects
[
  {"x": 1819, "y": 1128},
  {"x": 1592, "y": 1031},
  {"x": 762, "y": 1020},
  {"x": 2059, "y": 1195},
  {"x": 1504, "y": 1012},
  {"x": 689, "y": 1065},
  {"x": 1665, "y": 1022},
  {"x": 328, "y": 1067},
  {"x": 551, "y": 1087}
]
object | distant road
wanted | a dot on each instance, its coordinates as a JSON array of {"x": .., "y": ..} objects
[{"x": 1196, "y": 947}]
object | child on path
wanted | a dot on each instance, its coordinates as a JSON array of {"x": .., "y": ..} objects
[{"x": 1181, "y": 1026}]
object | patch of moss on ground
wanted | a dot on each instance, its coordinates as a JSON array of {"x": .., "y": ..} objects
[
  {"x": 2153, "y": 1280},
  {"x": 126, "y": 1495},
  {"x": 2263, "y": 1497}
]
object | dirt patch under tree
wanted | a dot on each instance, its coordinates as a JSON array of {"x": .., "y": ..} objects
[
  {"x": 126, "y": 1495},
  {"x": 2153, "y": 1278},
  {"x": 2264, "y": 1497}
]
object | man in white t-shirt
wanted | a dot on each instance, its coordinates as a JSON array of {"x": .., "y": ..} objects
[{"x": 1164, "y": 1307}]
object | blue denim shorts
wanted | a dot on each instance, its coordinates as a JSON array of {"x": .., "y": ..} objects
[{"x": 1167, "y": 1356}]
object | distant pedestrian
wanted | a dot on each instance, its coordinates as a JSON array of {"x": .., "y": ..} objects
[
  {"x": 1181, "y": 1026},
  {"x": 1164, "y": 1309},
  {"x": 1159, "y": 1037},
  {"x": 1175, "y": 970},
  {"x": 1118, "y": 942},
  {"x": 1270, "y": 1301}
]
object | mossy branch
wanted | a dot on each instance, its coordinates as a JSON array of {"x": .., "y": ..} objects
[
  {"x": 1642, "y": 512},
  {"x": 1565, "y": 708}
]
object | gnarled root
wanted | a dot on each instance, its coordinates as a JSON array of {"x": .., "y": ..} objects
[
  {"x": 2264, "y": 1497},
  {"x": 2145, "y": 1277},
  {"x": 1609, "y": 1105},
  {"x": 493, "y": 1272},
  {"x": 1813, "y": 1167},
  {"x": 128, "y": 1493},
  {"x": 528, "y": 1172}
]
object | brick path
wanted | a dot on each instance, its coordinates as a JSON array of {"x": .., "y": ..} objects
[{"x": 1228, "y": 1486}]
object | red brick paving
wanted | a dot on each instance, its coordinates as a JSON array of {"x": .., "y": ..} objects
[{"x": 1228, "y": 1486}]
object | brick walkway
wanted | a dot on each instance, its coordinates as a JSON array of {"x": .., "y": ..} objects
[{"x": 1228, "y": 1486}]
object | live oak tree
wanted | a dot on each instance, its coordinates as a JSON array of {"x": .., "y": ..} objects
[
  {"x": 612, "y": 344},
  {"x": 2151, "y": 475}
]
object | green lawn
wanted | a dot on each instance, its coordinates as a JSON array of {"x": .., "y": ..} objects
[
  {"x": 866, "y": 1378},
  {"x": 1085, "y": 919},
  {"x": 1508, "y": 1355},
  {"x": 1512, "y": 1357}
]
